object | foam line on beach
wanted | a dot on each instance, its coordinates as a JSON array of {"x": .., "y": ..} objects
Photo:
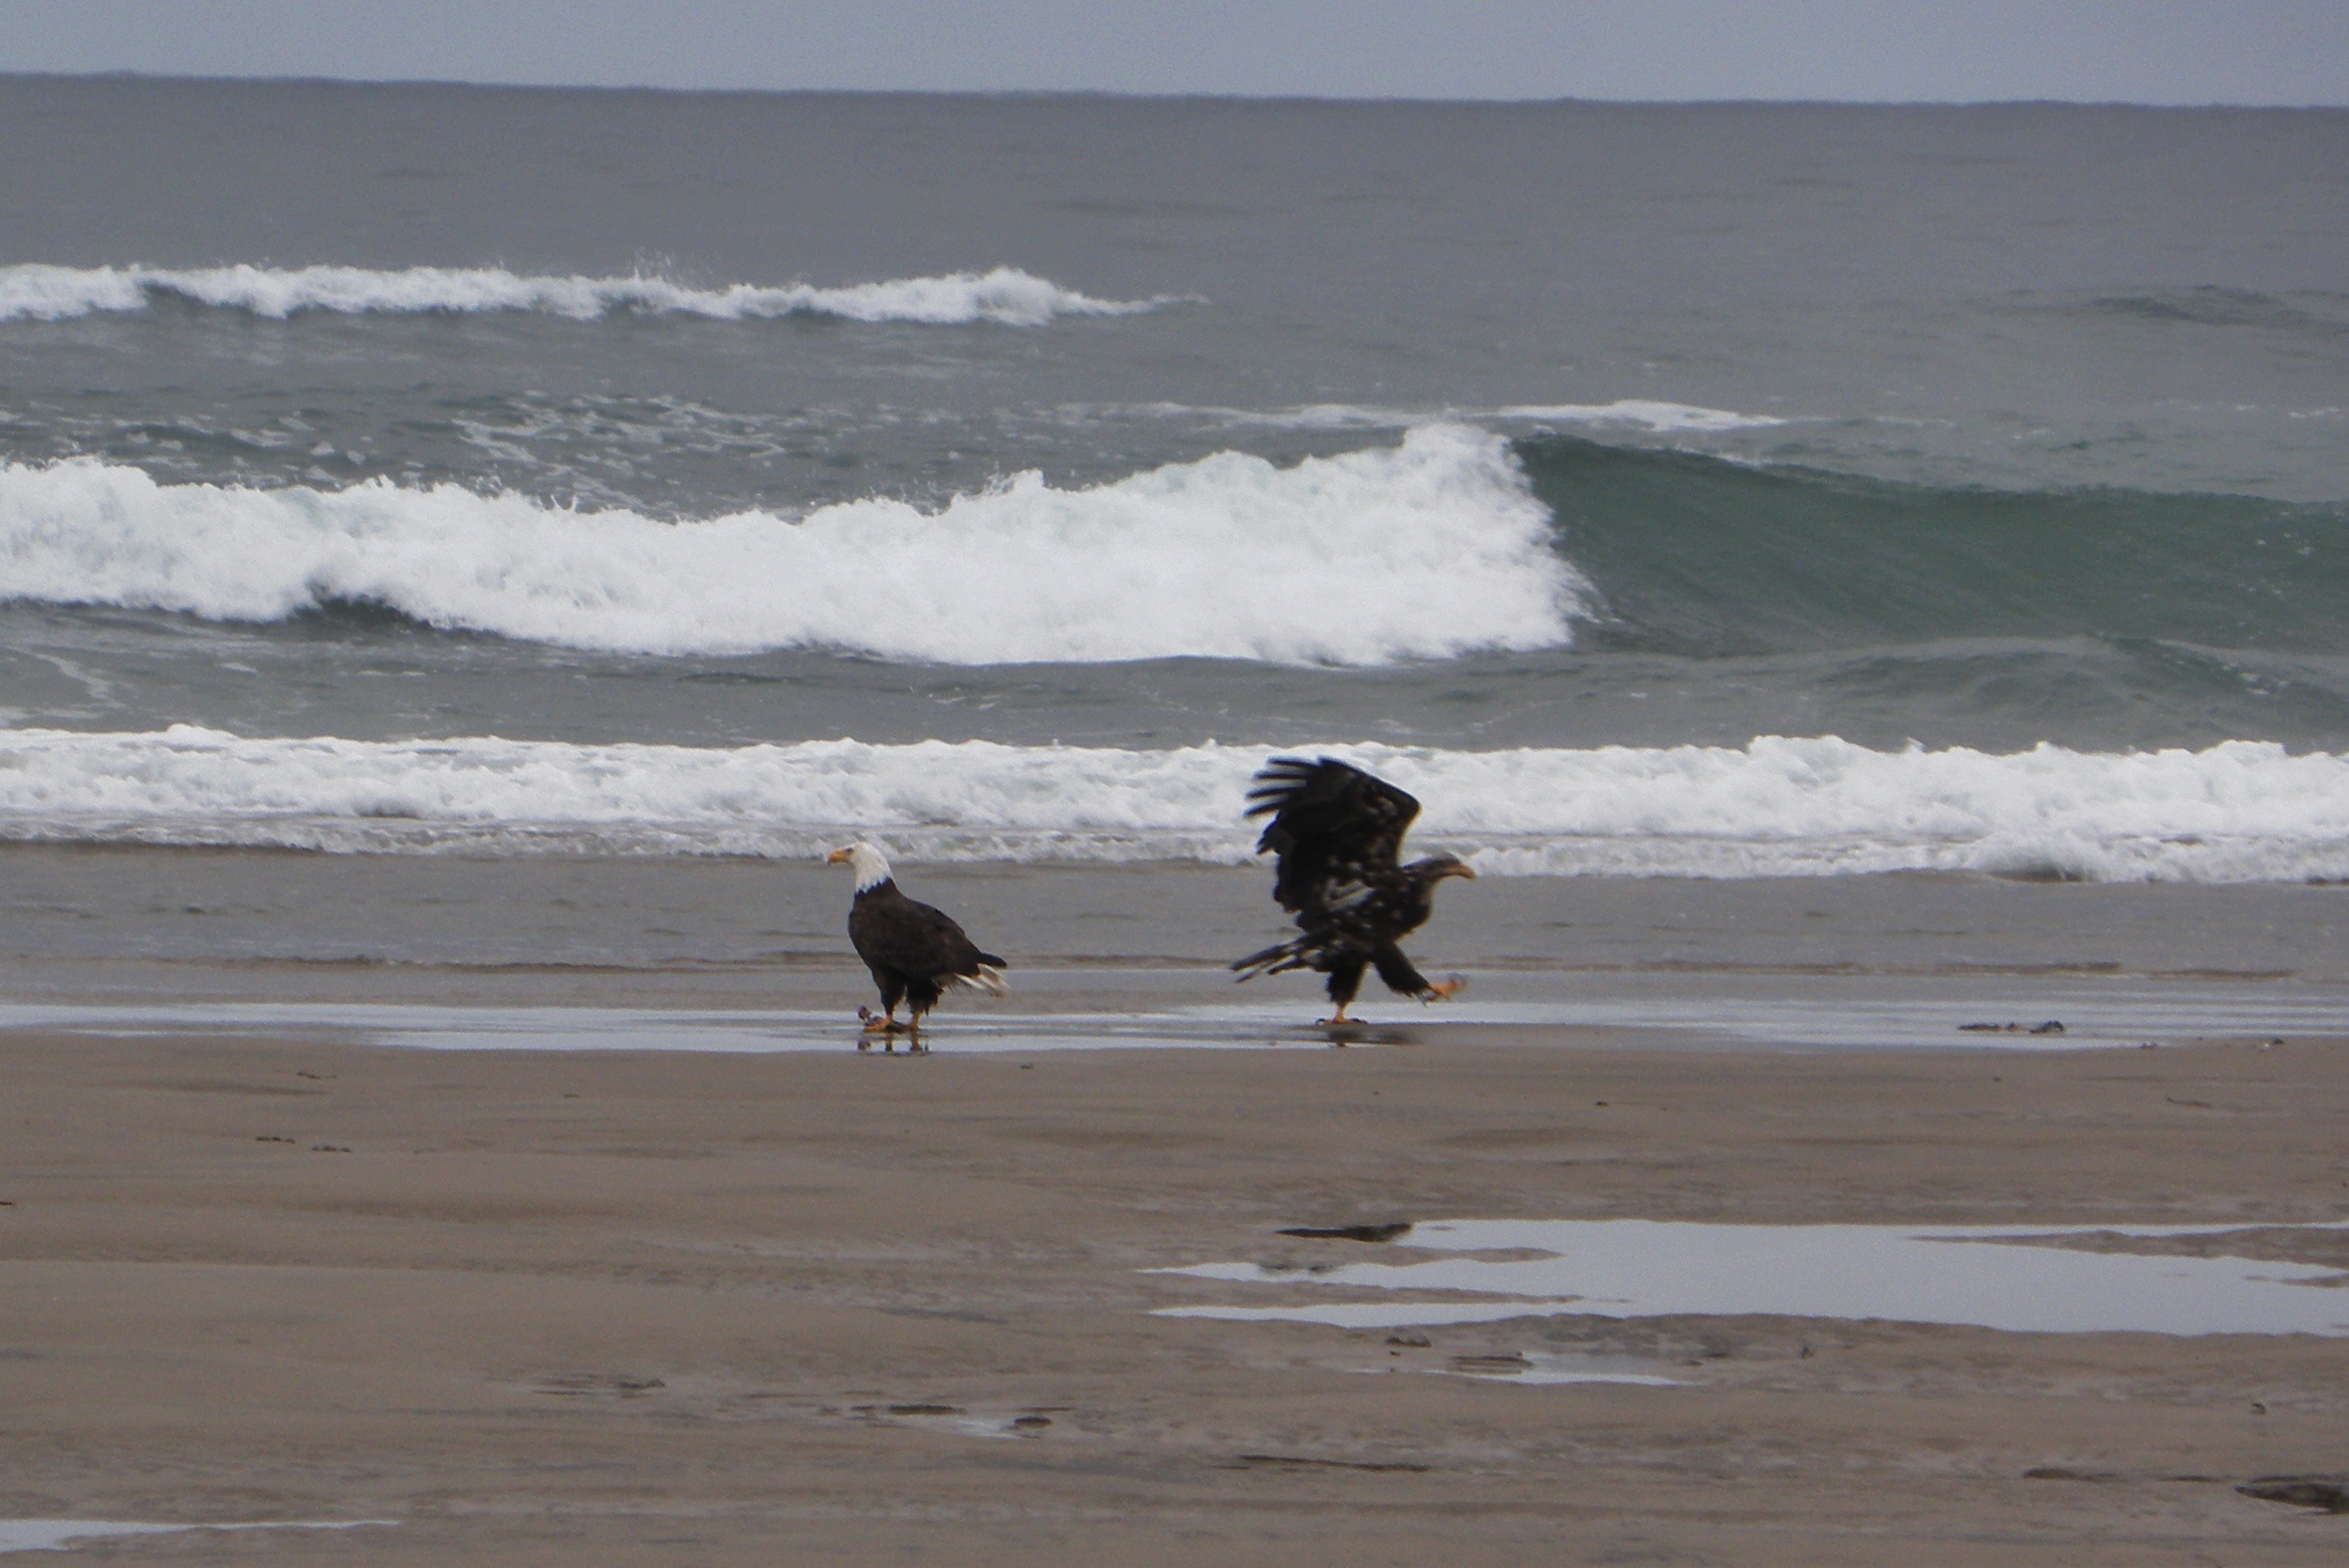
[
  {"x": 2239, "y": 812},
  {"x": 1005, "y": 296},
  {"x": 1428, "y": 549}
]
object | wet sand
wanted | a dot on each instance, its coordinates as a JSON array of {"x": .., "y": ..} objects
[
  {"x": 660, "y": 1308},
  {"x": 177, "y": 925},
  {"x": 780, "y": 1302}
]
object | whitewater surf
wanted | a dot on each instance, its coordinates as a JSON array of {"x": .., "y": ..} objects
[{"x": 409, "y": 501}]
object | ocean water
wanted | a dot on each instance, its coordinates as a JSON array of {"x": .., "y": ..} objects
[{"x": 1718, "y": 492}]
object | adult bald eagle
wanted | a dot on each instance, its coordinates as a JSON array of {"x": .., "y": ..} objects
[
  {"x": 1337, "y": 831},
  {"x": 915, "y": 953}
]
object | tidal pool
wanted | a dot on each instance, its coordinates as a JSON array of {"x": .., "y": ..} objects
[
  {"x": 2020, "y": 1277},
  {"x": 45, "y": 1535}
]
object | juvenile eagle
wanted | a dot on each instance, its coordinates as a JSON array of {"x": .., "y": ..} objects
[
  {"x": 915, "y": 952},
  {"x": 1337, "y": 831}
]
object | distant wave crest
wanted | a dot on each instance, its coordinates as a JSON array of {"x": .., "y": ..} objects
[
  {"x": 2239, "y": 812},
  {"x": 1641, "y": 414},
  {"x": 1429, "y": 549},
  {"x": 1006, "y": 295}
]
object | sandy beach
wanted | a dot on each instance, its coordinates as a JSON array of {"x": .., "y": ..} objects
[{"x": 673, "y": 1307}]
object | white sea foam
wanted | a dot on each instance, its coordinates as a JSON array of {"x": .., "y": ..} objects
[
  {"x": 1426, "y": 549},
  {"x": 2236, "y": 812},
  {"x": 1006, "y": 295},
  {"x": 1641, "y": 412}
]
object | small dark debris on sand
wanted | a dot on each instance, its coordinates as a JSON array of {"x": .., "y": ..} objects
[
  {"x": 596, "y": 1383},
  {"x": 1348, "y": 1232},
  {"x": 2109, "y": 1478},
  {"x": 2053, "y": 1026},
  {"x": 2327, "y": 1492},
  {"x": 1290, "y": 1461}
]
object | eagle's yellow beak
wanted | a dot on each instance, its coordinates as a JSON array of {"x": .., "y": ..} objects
[
  {"x": 1466, "y": 870},
  {"x": 836, "y": 856}
]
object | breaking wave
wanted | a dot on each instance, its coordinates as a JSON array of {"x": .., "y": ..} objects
[
  {"x": 2240, "y": 812},
  {"x": 1428, "y": 549},
  {"x": 1006, "y": 295}
]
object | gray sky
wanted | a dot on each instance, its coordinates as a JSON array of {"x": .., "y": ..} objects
[{"x": 2291, "y": 52}]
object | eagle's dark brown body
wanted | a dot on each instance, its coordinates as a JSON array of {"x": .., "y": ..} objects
[{"x": 1337, "y": 831}]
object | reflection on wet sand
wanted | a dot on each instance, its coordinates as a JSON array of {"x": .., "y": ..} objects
[
  {"x": 1083, "y": 1009},
  {"x": 39, "y": 1535},
  {"x": 2030, "y": 1279}
]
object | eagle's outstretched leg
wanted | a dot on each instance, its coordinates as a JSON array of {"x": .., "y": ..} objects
[{"x": 1404, "y": 980}]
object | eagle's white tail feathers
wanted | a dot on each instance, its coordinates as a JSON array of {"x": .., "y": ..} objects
[{"x": 989, "y": 979}]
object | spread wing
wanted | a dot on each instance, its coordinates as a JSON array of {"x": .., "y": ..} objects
[{"x": 1333, "y": 826}]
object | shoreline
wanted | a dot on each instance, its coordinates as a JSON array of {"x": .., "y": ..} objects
[
  {"x": 120, "y": 923},
  {"x": 1199, "y": 1009}
]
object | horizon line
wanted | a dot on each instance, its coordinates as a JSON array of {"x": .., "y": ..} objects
[{"x": 1144, "y": 96}]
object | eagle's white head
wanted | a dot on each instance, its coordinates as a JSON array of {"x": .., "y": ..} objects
[{"x": 870, "y": 865}]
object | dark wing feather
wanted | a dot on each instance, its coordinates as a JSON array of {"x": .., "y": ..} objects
[{"x": 1332, "y": 824}]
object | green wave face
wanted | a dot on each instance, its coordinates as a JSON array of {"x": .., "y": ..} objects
[{"x": 1700, "y": 558}]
